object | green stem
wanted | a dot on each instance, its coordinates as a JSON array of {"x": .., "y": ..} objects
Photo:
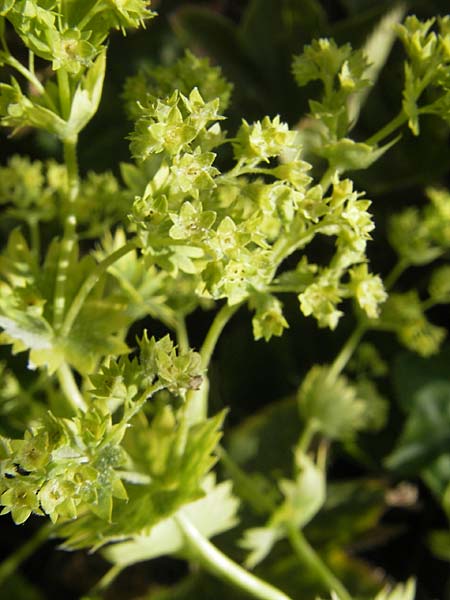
[
  {"x": 138, "y": 404},
  {"x": 70, "y": 388},
  {"x": 429, "y": 303},
  {"x": 341, "y": 360},
  {"x": 2, "y": 37},
  {"x": 307, "y": 554},
  {"x": 197, "y": 400},
  {"x": 65, "y": 95},
  {"x": 14, "y": 560},
  {"x": 31, "y": 62},
  {"x": 69, "y": 239},
  {"x": 35, "y": 236},
  {"x": 395, "y": 273},
  {"x": 71, "y": 161},
  {"x": 284, "y": 247},
  {"x": 96, "y": 8},
  {"x": 214, "y": 561},
  {"x": 389, "y": 128},
  {"x": 246, "y": 487},
  {"x": 106, "y": 580},
  {"x": 28, "y": 75},
  {"x": 306, "y": 436},
  {"x": 90, "y": 282},
  {"x": 220, "y": 320},
  {"x": 182, "y": 335},
  {"x": 327, "y": 178},
  {"x": 351, "y": 344}
]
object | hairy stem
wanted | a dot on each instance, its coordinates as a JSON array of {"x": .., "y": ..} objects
[
  {"x": 307, "y": 554},
  {"x": 14, "y": 560},
  {"x": 70, "y": 237},
  {"x": 70, "y": 388},
  {"x": 90, "y": 282},
  {"x": 214, "y": 561}
]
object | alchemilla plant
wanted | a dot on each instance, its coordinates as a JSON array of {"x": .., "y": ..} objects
[{"x": 109, "y": 437}]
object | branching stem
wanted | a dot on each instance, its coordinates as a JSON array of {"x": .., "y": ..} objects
[
  {"x": 35, "y": 236},
  {"x": 95, "y": 8},
  {"x": 214, "y": 561},
  {"x": 90, "y": 282},
  {"x": 28, "y": 75}
]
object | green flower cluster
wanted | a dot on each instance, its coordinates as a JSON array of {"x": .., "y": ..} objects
[
  {"x": 188, "y": 72},
  {"x": 71, "y": 36},
  {"x": 64, "y": 467},
  {"x": 420, "y": 236},
  {"x": 120, "y": 451},
  {"x": 36, "y": 193},
  {"x": 171, "y": 125},
  {"x": 341, "y": 72},
  {"x": 404, "y": 314},
  {"x": 159, "y": 367},
  {"x": 429, "y": 57},
  {"x": 230, "y": 232}
]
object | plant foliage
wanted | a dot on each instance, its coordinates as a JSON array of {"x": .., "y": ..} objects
[{"x": 106, "y": 430}]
